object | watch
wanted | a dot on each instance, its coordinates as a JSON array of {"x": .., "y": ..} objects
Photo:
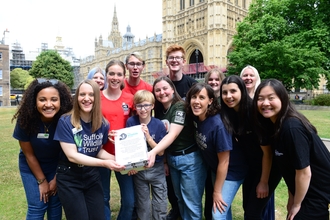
[{"x": 41, "y": 181}]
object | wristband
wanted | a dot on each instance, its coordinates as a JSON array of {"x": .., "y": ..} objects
[{"x": 41, "y": 181}]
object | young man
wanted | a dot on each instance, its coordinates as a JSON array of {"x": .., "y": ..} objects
[
  {"x": 151, "y": 181},
  {"x": 175, "y": 60},
  {"x": 135, "y": 65}
]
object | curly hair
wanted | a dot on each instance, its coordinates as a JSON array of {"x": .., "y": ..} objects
[
  {"x": 213, "y": 108},
  {"x": 27, "y": 114}
]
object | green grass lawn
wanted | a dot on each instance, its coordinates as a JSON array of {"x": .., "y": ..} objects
[{"x": 13, "y": 202}]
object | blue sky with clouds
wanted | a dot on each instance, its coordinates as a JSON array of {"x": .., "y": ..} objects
[{"x": 31, "y": 22}]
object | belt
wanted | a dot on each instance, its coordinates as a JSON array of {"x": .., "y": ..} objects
[
  {"x": 70, "y": 164},
  {"x": 185, "y": 151}
]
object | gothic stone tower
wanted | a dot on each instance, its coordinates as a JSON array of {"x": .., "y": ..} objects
[{"x": 205, "y": 26}]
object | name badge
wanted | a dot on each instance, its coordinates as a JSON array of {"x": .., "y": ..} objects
[
  {"x": 75, "y": 130},
  {"x": 43, "y": 135}
]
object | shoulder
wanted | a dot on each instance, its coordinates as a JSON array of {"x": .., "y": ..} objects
[
  {"x": 127, "y": 96},
  {"x": 189, "y": 79}
]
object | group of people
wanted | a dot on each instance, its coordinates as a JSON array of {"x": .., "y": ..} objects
[{"x": 204, "y": 138}]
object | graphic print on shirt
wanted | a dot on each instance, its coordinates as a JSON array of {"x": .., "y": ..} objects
[
  {"x": 201, "y": 140},
  {"x": 179, "y": 117},
  {"x": 166, "y": 124},
  {"x": 87, "y": 144},
  {"x": 125, "y": 108}
]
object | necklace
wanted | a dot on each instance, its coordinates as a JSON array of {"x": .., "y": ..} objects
[
  {"x": 165, "y": 112},
  {"x": 47, "y": 127}
]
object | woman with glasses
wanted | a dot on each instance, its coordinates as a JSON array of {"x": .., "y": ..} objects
[
  {"x": 42, "y": 104},
  {"x": 186, "y": 164},
  {"x": 116, "y": 107},
  {"x": 135, "y": 65}
]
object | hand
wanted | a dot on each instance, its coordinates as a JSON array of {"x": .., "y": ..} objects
[
  {"x": 113, "y": 165},
  {"x": 44, "y": 190},
  {"x": 262, "y": 190},
  {"x": 111, "y": 136},
  {"x": 145, "y": 131},
  {"x": 167, "y": 169},
  {"x": 218, "y": 202},
  {"x": 293, "y": 211},
  {"x": 52, "y": 187},
  {"x": 132, "y": 172},
  {"x": 151, "y": 159}
]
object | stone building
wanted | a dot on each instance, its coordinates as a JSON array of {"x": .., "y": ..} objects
[{"x": 205, "y": 29}]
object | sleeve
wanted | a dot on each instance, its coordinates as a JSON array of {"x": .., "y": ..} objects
[
  {"x": 105, "y": 133},
  {"x": 20, "y": 134},
  {"x": 222, "y": 139},
  {"x": 296, "y": 142},
  {"x": 179, "y": 115},
  {"x": 63, "y": 131}
]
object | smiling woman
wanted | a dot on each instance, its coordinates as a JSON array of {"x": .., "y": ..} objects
[{"x": 37, "y": 116}]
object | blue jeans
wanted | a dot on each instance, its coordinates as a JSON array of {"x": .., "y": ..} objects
[
  {"x": 37, "y": 208},
  {"x": 126, "y": 187},
  {"x": 229, "y": 190},
  {"x": 105, "y": 179},
  {"x": 188, "y": 174}
]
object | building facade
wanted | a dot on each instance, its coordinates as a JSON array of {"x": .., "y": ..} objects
[
  {"x": 205, "y": 29},
  {"x": 4, "y": 75}
]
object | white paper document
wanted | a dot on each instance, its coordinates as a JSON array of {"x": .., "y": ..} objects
[{"x": 131, "y": 148}]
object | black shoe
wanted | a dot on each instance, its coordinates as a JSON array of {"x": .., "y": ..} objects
[{"x": 174, "y": 214}]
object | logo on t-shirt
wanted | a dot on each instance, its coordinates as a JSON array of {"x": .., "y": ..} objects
[
  {"x": 179, "y": 117},
  {"x": 125, "y": 108}
]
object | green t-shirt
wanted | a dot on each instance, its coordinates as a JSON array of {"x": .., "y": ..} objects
[{"x": 177, "y": 115}]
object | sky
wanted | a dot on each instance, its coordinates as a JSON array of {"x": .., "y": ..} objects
[{"x": 32, "y": 22}]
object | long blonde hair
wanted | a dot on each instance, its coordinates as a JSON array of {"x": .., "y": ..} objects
[{"x": 96, "y": 116}]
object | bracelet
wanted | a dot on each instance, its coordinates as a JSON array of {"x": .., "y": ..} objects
[{"x": 41, "y": 181}]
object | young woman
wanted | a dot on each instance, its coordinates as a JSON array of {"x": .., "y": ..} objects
[
  {"x": 214, "y": 78},
  {"x": 82, "y": 133},
  {"x": 251, "y": 78},
  {"x": 303, "y": 159},
  {"x": 116, "y": 107},
  {"x": 259, "y": 183},
  {"x": 97, "y": 75},
  {"x": 43, "y": 103},
  {"x": 212, "y": 138},
  {"x": 186, "y": 164}
]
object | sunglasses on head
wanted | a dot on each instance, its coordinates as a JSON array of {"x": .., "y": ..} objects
[{"x": 43, "y": 80}]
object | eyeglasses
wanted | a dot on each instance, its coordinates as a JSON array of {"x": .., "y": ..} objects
[
  {"x": 43, "y": 80},
  {"x": 177, "y": 58},
  {"x": 135, "y": 64},
  {"x": 145, "y": 106}
]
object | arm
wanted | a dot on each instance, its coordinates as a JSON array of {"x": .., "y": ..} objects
[
  {"x": 36, "y": 169},
  {"x": 164, "y": 143},
  {"x": 221, "y": 175},
  {"x": 262, "y": 189},
  {"x": 74, "y": 156},
  {"x": 302, "y": 180}
]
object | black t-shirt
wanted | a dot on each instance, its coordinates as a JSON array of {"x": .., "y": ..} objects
[
  {"x": 183, "y": 86},
  {"x": 297, "y": 148}
]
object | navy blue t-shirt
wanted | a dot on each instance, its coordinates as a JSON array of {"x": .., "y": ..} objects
[
  {"x": 87, "y": 143},
  {"x": 46, "y": 150}
]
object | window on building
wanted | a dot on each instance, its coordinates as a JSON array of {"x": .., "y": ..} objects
[
  {"x": 182, "y": 6},
  {"x": 201, "y": 0},
  {"x": 0, "y": 55},
  {"x": 244, "y": 3},
  {"x": 191, "y": 2},
  {"x": 0, "y": 74},
  {"x": 1, "y": 91}
]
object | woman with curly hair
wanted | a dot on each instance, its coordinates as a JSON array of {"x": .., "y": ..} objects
[{"x": 43, "y": 103}]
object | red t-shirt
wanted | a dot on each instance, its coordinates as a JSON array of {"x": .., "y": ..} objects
[
  {"x": 133, "y": 89},
  {"x": 116, "y": 112}
]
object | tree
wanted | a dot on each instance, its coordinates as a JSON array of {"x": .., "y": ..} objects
[
  {"x": 49, "y": 64},
  {"x": 285, "y": 39},
  {"x": 19, "y": 78}
]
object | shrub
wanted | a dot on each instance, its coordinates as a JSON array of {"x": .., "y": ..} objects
[{"x": 322, "y": 100}]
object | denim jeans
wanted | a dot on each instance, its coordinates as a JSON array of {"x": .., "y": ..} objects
[
  {"x": 36, "y": 208},
  {"x": 188, "y": 174},
  {"x": 80, "y": 192},
  {"x": 229, "y": 190},
  {"x": 105, "y": 179}
]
